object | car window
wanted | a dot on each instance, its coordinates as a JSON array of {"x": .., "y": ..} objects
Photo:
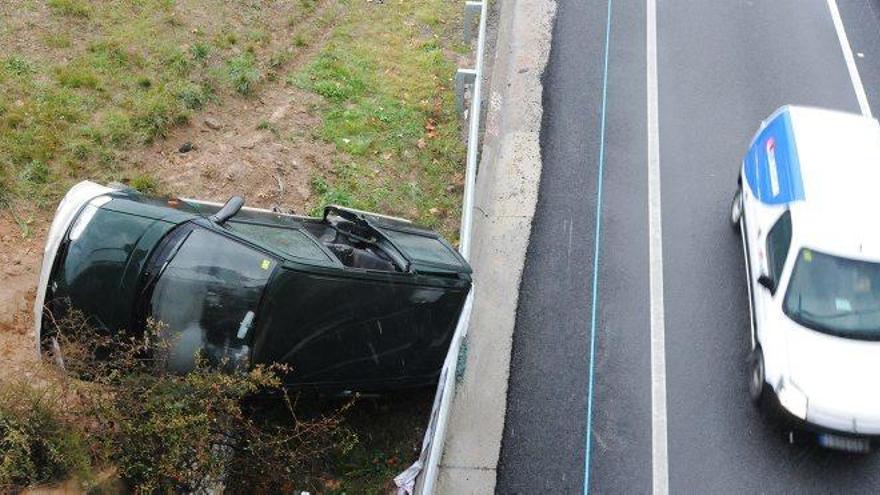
[
  {"x": 287, "y": 240},
  {"x": 204, "y": 295},
  {"x": 423, "y": 248},
  {"x": 778, "y": 242}
]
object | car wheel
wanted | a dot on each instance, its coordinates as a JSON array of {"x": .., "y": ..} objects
[
  {"x": 757, "y": 382},
  {"x": 736, "y": 209}
]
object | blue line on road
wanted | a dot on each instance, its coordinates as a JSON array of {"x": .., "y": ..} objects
[{"x": 598, "y": 232}]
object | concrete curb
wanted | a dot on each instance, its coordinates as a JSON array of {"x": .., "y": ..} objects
[{"x": 506, "y": 196}]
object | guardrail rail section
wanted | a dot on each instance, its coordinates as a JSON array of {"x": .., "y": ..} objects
[{"x": 421, "y": 477}]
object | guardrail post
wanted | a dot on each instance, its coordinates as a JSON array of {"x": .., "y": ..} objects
[
  {"x": 463, "y": 79},
  {"x": 472, "y": 9}
]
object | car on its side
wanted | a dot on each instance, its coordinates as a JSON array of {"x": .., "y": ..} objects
[
  {"x": 350, "y": 301},
  {"x": 806, "y": 208}
]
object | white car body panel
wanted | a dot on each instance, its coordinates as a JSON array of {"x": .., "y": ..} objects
[
  {"x": 74, "y": 201},
  {"x": 838, "y": 162}
]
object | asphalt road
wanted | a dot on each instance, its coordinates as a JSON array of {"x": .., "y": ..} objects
[{"x": 723, "y": 66}]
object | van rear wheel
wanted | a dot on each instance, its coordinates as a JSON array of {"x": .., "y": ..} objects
[{"x": 736, "y": 209}]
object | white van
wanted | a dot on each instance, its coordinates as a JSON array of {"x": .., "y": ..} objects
[{"x": 808, "y": 210}]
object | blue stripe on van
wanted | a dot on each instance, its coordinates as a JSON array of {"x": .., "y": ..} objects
[{"x": 771, "y": 165}]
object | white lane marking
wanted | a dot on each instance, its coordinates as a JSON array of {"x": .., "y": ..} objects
[
  {"x": 850, "y": 61},
  {"x": 659, "y": 461}
]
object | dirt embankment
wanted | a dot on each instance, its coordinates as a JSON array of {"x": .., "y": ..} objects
[
  {"x": 20, "y": 257},
  {"x": 260, "y": 148},
  {"x": 254, "y": 148}
]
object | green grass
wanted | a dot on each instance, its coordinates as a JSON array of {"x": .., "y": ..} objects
[
  {"x": 258, "y": 36},
  {"x": 17, "y": 66},
  {"x": 193, "y": 96},
  {"x": 77, "y": 76},
  {"x": 199, "y": 51},
  {"x": 72, "y": 8},
  {"x": 389, "y": 439},
  {"x": 242, "y": 73},
  {"x": 388, "y": 108},
  {"x": 300, "y": 41}
]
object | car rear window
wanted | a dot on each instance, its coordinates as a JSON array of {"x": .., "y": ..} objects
[{"x": 424, "y": 249}]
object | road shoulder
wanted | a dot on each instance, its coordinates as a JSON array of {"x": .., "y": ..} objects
[{"x": 506, "y": 197}]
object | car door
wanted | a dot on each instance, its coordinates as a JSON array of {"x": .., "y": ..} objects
[
  {"x": 771, "y": 251},
  {"x": 756, "y": 221},
  {"x": 770, "y": 181}
]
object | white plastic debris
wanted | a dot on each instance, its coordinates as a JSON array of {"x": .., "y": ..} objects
[{"x": 406, "y": 481}]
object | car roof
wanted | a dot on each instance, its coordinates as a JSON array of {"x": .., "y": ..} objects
[{"x": 838, "y": 154}]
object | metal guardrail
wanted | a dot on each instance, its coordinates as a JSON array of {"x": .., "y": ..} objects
[{"x": 432, "y": 447}]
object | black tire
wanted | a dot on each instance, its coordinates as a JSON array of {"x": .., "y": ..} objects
[
  {"x": 736, "y": 209},
  {"x": 757, "y": 379}
]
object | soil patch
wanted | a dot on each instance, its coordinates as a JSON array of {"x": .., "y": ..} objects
[{"x": 19, "y": 269}]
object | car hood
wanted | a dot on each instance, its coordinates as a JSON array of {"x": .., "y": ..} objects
[
  {"x": 75, "y": 199},
  {"x": 839, "y": 377},
  {"x": 98, "y": 270}
]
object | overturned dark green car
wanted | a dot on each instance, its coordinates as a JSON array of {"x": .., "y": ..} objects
[{"x": 350, "y": 301}]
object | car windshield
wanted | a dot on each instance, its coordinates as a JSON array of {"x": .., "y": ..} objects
[{"x": 835, "y": 295}]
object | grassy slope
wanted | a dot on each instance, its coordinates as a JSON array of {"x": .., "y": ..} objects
[
  {"x": 83, "y": 81},
  {"x": 385, "y": 77}
]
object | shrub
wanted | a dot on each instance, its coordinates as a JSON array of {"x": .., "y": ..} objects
[
  {"x": 38, "y": 443},
  {"x": 200, "y": 51},
  {"x": 145, "y": 184},
  {"x": 193, "y": 96},
  {"x": 163, "y": 432},
  {"x": 154, "y": 114},
  {"x": 300, "y": 41},
  {"x": 242, "y": 73}
]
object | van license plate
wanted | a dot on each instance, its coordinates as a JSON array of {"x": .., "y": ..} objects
[{"x": 849, "y": 444}]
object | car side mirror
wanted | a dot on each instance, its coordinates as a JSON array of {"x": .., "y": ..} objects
[
  {"x": 766, "y": 282},
  {"x": 229, "y": 210}
]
